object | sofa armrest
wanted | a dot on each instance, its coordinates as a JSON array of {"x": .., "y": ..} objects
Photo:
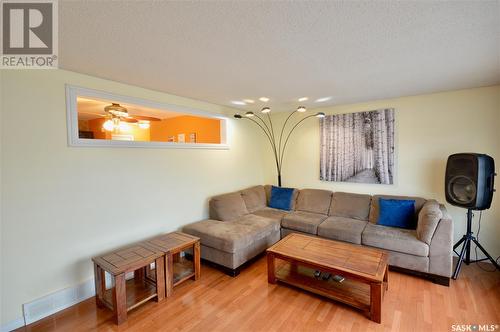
[{"x": 441, "y": 247}]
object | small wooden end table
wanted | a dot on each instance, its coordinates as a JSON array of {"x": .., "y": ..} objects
[
  {"x": 177, "y": 269},
  {"x": 365, "y": 270},
  {"x": 128, "y": 294}
]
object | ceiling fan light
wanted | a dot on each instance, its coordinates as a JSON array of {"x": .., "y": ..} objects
[
  {"x": 108, "y": 125},
  {"x": 301, "y": 109},
  {"x": 265, "y": 110},
  {"x": 121, "y": 114},
  {"x": 123, "y": 126},
  {"x": 249, "y": 114},
  {"x": 320, "y": 115}
]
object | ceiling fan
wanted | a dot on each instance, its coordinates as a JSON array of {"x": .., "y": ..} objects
[
  {"x": 116, "y": 114},
  {"x": 118, "y": 111}
]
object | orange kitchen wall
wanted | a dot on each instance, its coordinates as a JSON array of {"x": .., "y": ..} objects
[
  {"x": 83, "y": 125},
  {"x": 207, "y": 130},
  {"x": 95, "y": 125}
]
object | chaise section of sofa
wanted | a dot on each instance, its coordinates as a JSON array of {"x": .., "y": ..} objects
[
  {"x": 232, "y": 243},
  {"x": 240, "y": 227}
]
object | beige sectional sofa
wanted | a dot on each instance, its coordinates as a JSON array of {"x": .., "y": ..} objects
[{"x": 241, "y": 226}]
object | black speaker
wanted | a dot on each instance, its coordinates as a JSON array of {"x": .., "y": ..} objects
[{"x": 469, "y": 180}]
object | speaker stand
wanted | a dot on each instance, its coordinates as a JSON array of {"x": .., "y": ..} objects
[{"x": 464, "y": 255}]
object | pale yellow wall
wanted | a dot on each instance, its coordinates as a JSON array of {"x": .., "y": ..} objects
[
  {"x": 61, "y": 205},
  {"x": 1, "y": 198},
  {"x": 428, "y": 129}
]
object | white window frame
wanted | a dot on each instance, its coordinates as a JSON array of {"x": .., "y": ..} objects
[{"x": 72, "y": 92}]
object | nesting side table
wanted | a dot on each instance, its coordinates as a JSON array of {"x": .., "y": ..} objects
[
  {"x": 128, "y": 294},
  {"x": 177, "y": 268}
]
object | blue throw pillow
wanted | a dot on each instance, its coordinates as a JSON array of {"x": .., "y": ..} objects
[
  {"x": 281, "y": 198},
  {"x": 397, "y": 213}
]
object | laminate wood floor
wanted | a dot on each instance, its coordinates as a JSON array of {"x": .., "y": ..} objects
[{"x": 218, "y": 302}]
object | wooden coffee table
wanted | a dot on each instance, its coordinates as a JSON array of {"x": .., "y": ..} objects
[
  {"x": 128, "y": 294},
  {"x": 177, "y": 268},
  {"x": 294, "y": 259}
]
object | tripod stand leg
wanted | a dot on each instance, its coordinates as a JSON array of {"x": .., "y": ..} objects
[
  {"x": 467, "y": 251},
  {"x": 459, "y": 242},
  {"x": 460, "y": 259},
  {"x": 486, "y": 253}
]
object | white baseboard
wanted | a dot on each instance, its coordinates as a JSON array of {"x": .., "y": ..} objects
[
  {"x": 57, "y": 301},
  {"x": 12, "y": 325},
  {"x": 60, "y": 300}
]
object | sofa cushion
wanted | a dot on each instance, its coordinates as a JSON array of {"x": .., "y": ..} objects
[
  {"x": 281, "y": 198},
  {"x": 348, "y": 205},
  {"x": 259, "y": 222},
  {"x": 306, "y": 222},
  {"x": 395, "y": 239},
  {"x": 227, "y": 207},
  {"x": 232, "y": 236},
  {"x": 254, "y": 197},
  {"x": 375, "y": 210},
  {"x": 314, "y": 200},
  {"x": 268, "y": 188},
  {"x": 428, "y": 219},
  {"x": 343, "y": 229},
  {"x": 271, "y": 213}
]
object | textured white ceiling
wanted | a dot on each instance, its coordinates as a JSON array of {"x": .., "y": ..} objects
[{"x": 223, "y": 51}]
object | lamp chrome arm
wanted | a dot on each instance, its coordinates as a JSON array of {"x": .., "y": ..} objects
[
  {"x": 265, "y": 125},
  {"x": 273, "y": 145},
  {"x": 282, "y": 130},
  {"x": 288, "y": 136},
  {"x": 272, "y": 129}
]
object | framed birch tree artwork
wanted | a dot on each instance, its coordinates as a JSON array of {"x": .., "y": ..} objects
[{"x": 358, "y": 147}]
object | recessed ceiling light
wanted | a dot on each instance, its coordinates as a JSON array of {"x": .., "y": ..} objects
[
  {"x": 264, "y": 99},
  {"x": 320, "y": 100},
  {"x": 303, "y": 99},
  {"x": 237, "y": 102},
  {"x": 249, "y": 101}
]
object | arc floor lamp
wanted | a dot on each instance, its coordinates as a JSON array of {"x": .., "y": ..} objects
[{"x": 278, "y": 143}]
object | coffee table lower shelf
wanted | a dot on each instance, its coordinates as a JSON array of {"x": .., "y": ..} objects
[
  {"x": 350, "y": 292},
  {"x": 138, "y": 292}
]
